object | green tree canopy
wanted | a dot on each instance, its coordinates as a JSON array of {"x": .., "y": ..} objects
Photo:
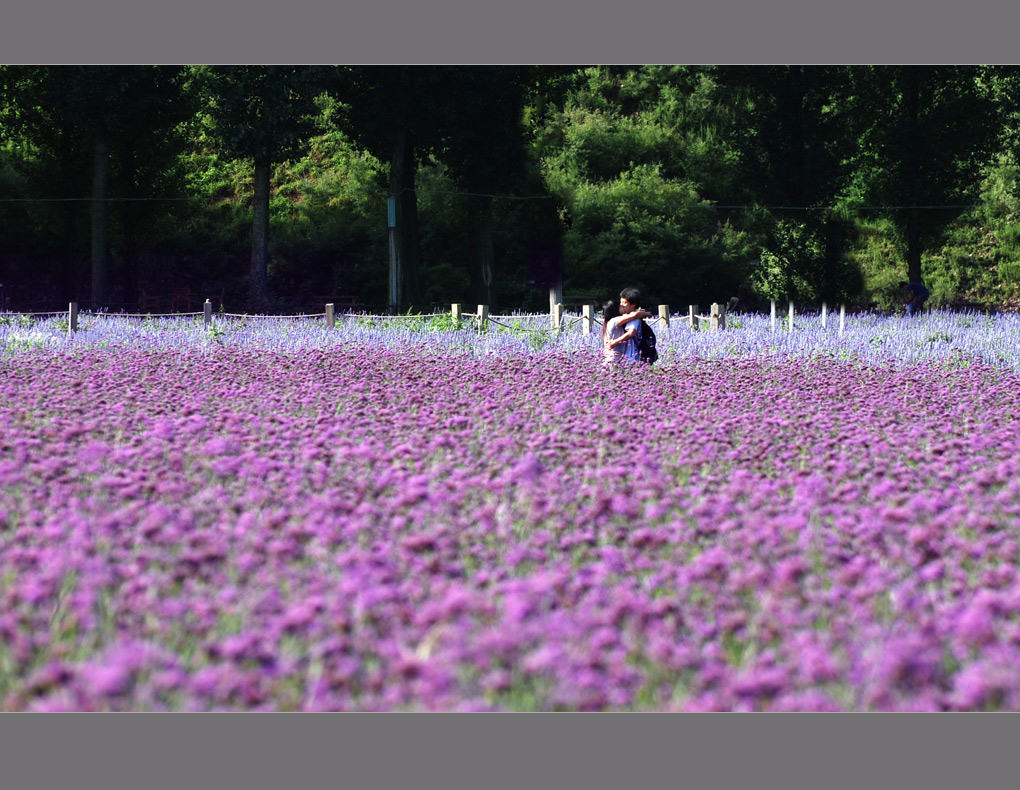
[
  {"x": 926, "y": 134},
  {"x": 266, "y": 114}
]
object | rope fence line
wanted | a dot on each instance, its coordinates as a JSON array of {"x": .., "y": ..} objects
[
  {"x": 151, "y": 315},
  {"x": 245, "y": 316},
  {"x": 514, "y": 328},
  {"x": 716, "y": 318},
  {"x": 398, "y": 316},
  {"x": 500, "y": 323}
]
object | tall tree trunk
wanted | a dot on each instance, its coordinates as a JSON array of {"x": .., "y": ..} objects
[
  {"x": 834, "y": 236},
  {"x": 799, "y": 137},
  {"x": 913, "y": 246},
  {"x": 100, "y": 193},
  {"x": 69, "y": 264},
  {"x": 481, "y": 251},
  {"x": 404, "y": 236},
  {"x": 128, "y": 217},
  {"x": 258, "y": 282},
  {"x": 396, "y": 283},
  {"x": 912, "y": 106},
  {"x": 409, "y": 232}
]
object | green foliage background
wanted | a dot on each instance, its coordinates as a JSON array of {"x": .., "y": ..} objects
[{"x": 678, "y": 180}]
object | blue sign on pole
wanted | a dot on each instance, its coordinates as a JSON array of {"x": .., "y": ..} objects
[{"x": 391, "y": 209}]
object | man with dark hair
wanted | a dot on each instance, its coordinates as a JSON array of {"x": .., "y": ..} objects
[
  {"x": 630, "y": 300},
  {"x": 631, "y": 295},
  {"x": 619, "y": 331},
  {"x": 917, "y": 295},
  {"x": 641, "y": 347}
]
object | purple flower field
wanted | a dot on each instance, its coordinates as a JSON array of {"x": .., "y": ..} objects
[
  {"x": 945, "y": 338},
  {"x": 212, "y": 524}
]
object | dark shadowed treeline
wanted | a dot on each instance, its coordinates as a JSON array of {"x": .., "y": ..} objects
[{"x": 279, "y": 187}]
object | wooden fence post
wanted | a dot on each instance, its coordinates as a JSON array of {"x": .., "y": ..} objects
[
  {"x": 773, "y": 315},
  {"x": 555, "y": 296},
  {"x": 587, "y": 321},
  {"x": 456, "y": 312},
  {"x": 791, "y": 315},
  {"x": 842, "y": 315},
  {"x": 331, "y": 315},
  {"x": 72, "y": 318},
  {"x": 824, "y": 310},
  {"x": 694, "y": 316},
  {"x": 664, "y": 315},
  {"x": 713, "y": 316},
  {"x": 483, "y": 316},
  {"x": 207, "y": 313},
  {"x": 557, "y": 316}
]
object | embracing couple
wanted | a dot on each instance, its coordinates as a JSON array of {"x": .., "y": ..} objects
[{"x": 622, "y": 328}]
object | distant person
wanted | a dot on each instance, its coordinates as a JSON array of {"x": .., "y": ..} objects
[
  {"x": 644, "y": 340},
  {"x": 621, "y": 330},
  {"x": 916, "y": 294}
]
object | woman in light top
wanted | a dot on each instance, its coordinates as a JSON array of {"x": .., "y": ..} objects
[{"x": 620, "y": 333}]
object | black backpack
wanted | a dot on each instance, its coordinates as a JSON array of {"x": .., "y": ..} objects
[{"x": 646, "y": 346}]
